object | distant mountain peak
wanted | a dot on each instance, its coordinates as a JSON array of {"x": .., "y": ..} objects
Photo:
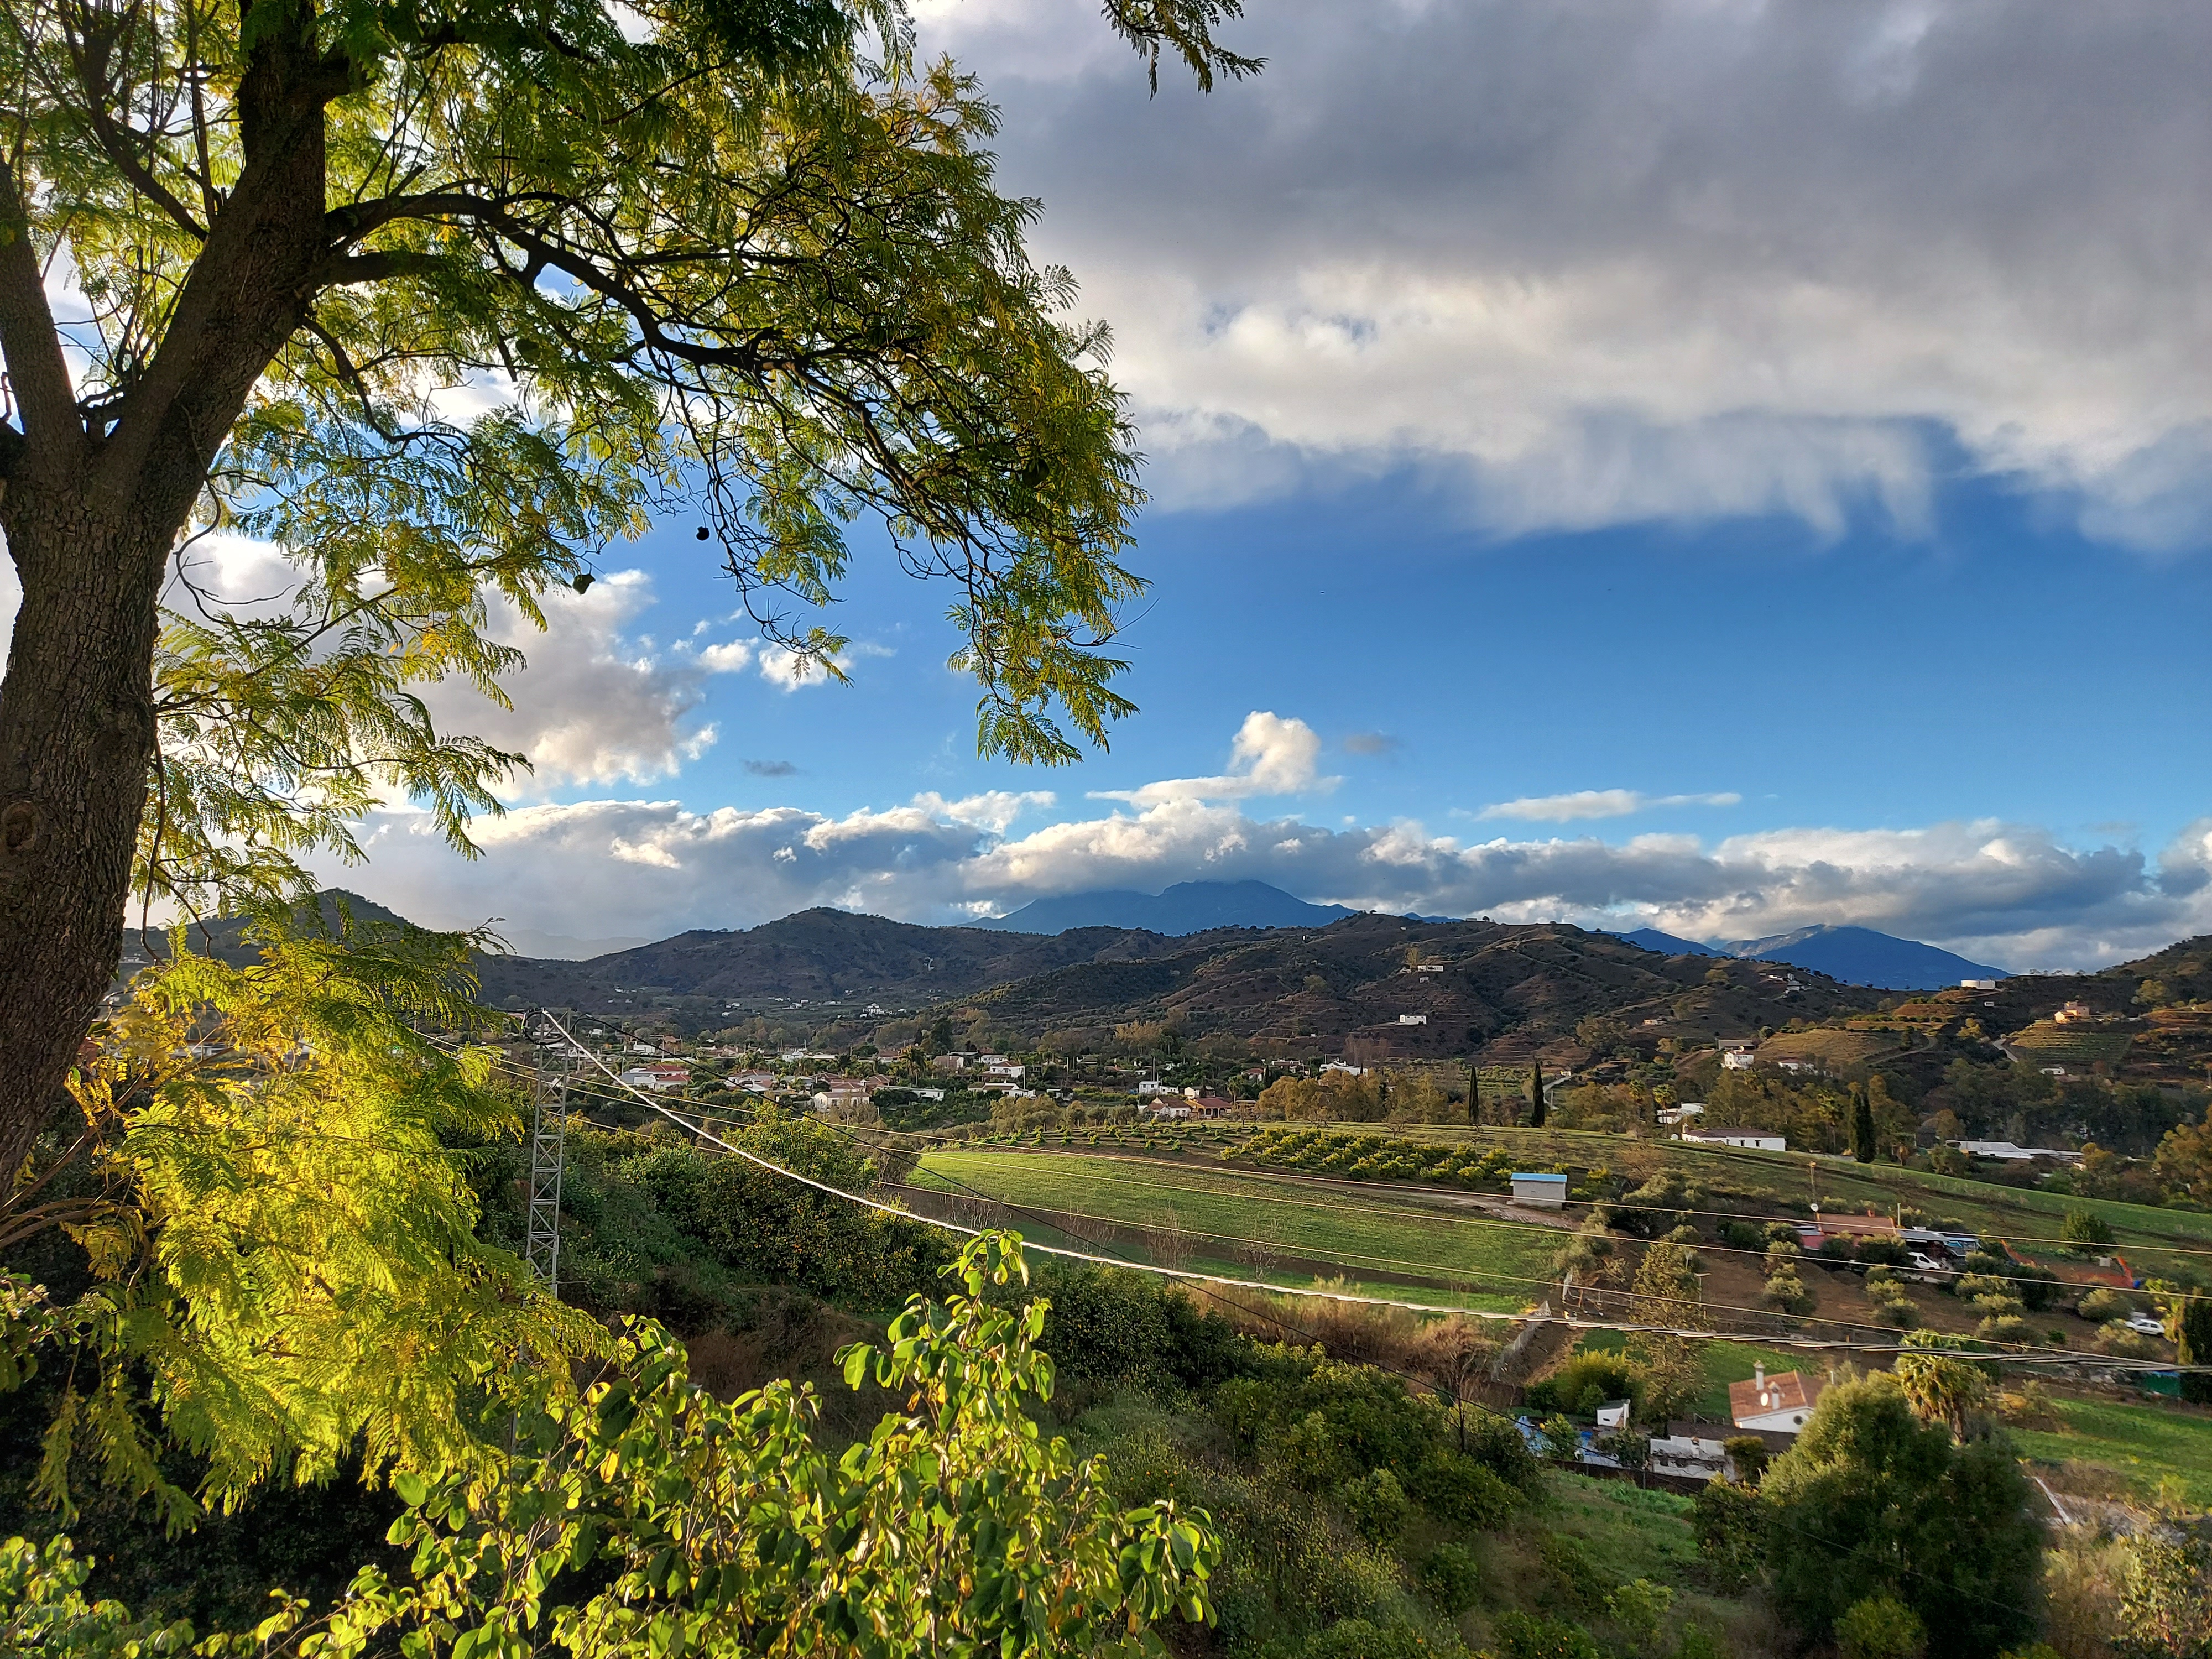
[{"x": 1188, "y": 907}]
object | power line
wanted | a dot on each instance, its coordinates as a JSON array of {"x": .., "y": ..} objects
[{"x": 1189, "y": 1276}]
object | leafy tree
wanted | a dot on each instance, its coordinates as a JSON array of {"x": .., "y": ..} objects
[
  {"x": 2184, "y": 1159},
  {"x": 689, "y": 1525},
  {"x": 1731, "y": 1527},
  {"x": 1881, "y": 1627},
  {"x": 744, "y": 261},
  {"x": 1939, "y": 1384},
  {"x": 1871, "y": 1502},
  {"x": 282, "y": 1252},
  {"x": 2084, "y": 1227},
  {"x": 2166, "y": 1600},
  {"x": 2189, "y": 1328},
  {"x": 1862, "y": 1147}
]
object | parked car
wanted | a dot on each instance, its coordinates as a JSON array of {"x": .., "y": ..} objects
[
  {"x": 1927, "y": 1269},
  {"x": 2145, "y": 1324}
]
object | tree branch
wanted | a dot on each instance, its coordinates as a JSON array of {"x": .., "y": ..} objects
[{"x": 36, "y": 370}]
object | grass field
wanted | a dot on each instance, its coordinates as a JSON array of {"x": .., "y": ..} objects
[
  {"x": 2140, "y": 1444},
  {"x": 2025, "y": 1217},
  {"x": 1251, "y": 1225}
]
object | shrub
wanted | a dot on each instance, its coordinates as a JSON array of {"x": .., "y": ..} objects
[
  {"x": 1787, "y": 1293},
  {"x": 1377, "y": 1505},
  {"x": 1749, "y": 1454},
  {"x": 1522, "y": 1636},
  {"x": 1569, "y": 1562},
  {"x": 1588, "y": 1381},
  {"x": 2085, "y": 1229},
  {"x": 1730, "y": 1525},
  {"x": 1881, "y": 1627},
  {"x": 1452, "y": 1578},
  {"x": 2005, "y": 1328},
  {"x": 2106, "y": 1302},
  {"x": 2117, "y": 1340},
  {"x": 1563, "y": 1440},
  {"x": 1463, "y": 1492},
  {"x": 1639, "y": 1607}
]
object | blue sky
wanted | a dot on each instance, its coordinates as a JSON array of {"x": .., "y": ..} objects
[{"x": 1770, "y": 445}]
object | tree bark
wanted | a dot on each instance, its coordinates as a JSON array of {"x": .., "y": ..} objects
[
  {"x": 91, "y": 512},
  {"x": 76, "y": 733}
]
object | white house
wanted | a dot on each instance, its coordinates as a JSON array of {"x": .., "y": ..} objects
[
  {"x": 2005, "y": 1152},
  {"x": 1778, "y": 1404},
  {"x": 1737, "y": 1056},
  {"x": 1614, "y": 1413},
  {"x": 1547, "y": 1191},
  {"x": 1977, "y": 985},
  {"x": 1682, "y": 1114},
  {"x": 1153, "y": 1086},
  {"x": 1347, "y": 1069},
  {"x": 1174, "y": 1108},
  {"x": 659, "y": 1080},
  {"x": 1758, "y": 1141},
  {"x": 1689, "y": 1455},
  {"x": 1412, "y": 1020}
]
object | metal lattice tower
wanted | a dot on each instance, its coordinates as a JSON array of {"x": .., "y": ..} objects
[{"x": 549, "y": 1136}]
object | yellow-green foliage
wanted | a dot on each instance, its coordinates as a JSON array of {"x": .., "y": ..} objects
[
  {"x": 688, "y": 1526},
  {"x": 283, "y": 1244}
]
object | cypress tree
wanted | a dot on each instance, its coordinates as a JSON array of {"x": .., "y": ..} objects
[
  {"x": 1474, "y": 1092},
  {"x": 2192, "y": 1346},
  {"x": 1536, "y": 1095},
  {"x": 1862, "y": 1125}
]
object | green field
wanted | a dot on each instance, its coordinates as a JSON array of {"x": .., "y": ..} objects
[
  {"x": 2140, "y": 1444},
  {"x": 1776, "y": 1180},
  {"x": 1263, "y": 1227}
]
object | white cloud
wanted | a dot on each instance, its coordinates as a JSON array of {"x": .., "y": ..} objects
[
  {"x": 1270, "y": 756},
  {"x": 1597, "y": 262},
  {"x": 2012, "y": 894},
  {"x": 594, "y": 705},
  {"x": 1597, "y": 804}
]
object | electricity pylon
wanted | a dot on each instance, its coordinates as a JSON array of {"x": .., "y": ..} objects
[{"x": 549, "y": 1135}]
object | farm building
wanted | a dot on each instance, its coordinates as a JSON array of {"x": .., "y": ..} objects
[
  {"x": 1779, "y": 1404},
  {"x": 1545, "y": 1191}
]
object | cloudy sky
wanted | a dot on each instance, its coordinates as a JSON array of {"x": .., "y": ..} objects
[{"x": 1713, "y": 463}]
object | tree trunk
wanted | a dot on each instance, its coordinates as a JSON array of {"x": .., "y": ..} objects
[
  {"x": 91, "y": 512},
  {"x": 76, "y": 731}
]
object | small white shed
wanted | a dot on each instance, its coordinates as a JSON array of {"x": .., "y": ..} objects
[{"x": 1546, "y": 1191}]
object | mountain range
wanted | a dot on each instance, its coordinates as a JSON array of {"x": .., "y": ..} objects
[
  {"x": 1378, "y": 986},
  {"x": 1188, "y": 907},
  {"x": 1855, "y": 956}
]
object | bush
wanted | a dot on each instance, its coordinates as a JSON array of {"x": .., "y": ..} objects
[
  {"x": 1579, "y": 1580},
  {"x": 1358, "y": 1638},
  {"x": 2085, "y": 1229},
  {"x": 1522, "y": 1636},
  {"x": 1730, "y": 1525},
  {"x": 1452, "y": 1579},
  {"x": 1787, "y": 1293},
  {"x": 2106, "y": 1302},
  {"x": 2117, "y": 1340},
  {"x": 1586, "y": 1382},
  {"x": 2005, "y": 1328},
  {"x": 1881, "y": 1627},
  {"x": 1463, "y": 1492},
  {"x": 1377, "y": 1505},
  {"x": 1639, "y": 1607},
  {"x": 1749, "y": 1454}
]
